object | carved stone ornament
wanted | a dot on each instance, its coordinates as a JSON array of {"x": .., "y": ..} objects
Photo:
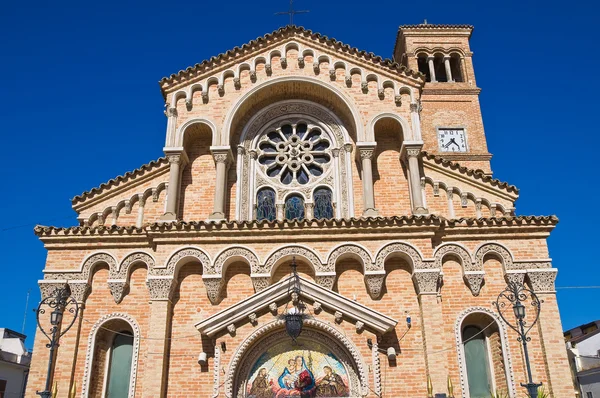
[
  {"x": 352, "y": 251},
  {"x": 474, "y": 279},
  {"x": 268, "y": 69},
  {"x": 366, "y": 153},
  {"x": 221, "y": 157},
  {"x": 427, "y": 281},
  {"x": 374, "y": 283},
  {"x": 231, "y": 329},
  {"x": 195, "y": 253},
  {"x": 360, "y": 326},
  {"x": 237, "y": 83},
  {"x": 376, "y": 363},
  {"x": 171, "y": 112},
  {"x": 253, "y": 75},
  {"x": 413, "y": 152},
  {"x": 317, "y": 67},
  {"x": 217, "y": 371},
  {"x": 364, "y": 86},
  {"x": 463, "y": 200},
  {"x": 129, "y": 261},
  {"x": 236, "y": 252},
  {"x": 398, "y": 99},
  {"x": 289, "y": 252},
  {"x": 270, "y": 334},
  {"x": 91, "y": 262},
  {"x": 89, "y": 356},
  {"x": 283, "y": 61},
  {"x": 542, "y": 280},
  {"x": 458, "y": 327},
  {"x": 348, "y": 79},
  {"x": 117, "y": 289},
  {"x": 273, "y": 308},
  {"x": 204, "y": 95},
  {"x": 80, "y": 290},
  {"x": 47, "y": 288},
  {"x": 516, "y": 276},
  {"x": 174, "y": 158},
  {"x": 221, "y": 89},
  {"x": 436, "y": 189},
  {"x": 457, "y": 251},
  {"x": 404, "y": 250},
  {"x": 338, "y": 317},
  {"x": 498, "y": 250},
  {"x": 214, "y": 287},
  {"x": 260, "y": 283},
  {"x": 326, "y": 281},
  {"x": 381, "y": 93},
  {"x": 161, "y": 288},
  {"x": 301, "y": 62}
]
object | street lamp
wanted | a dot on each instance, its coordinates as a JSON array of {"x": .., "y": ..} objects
[
  {"x": 515, "y": 295},
  {"x": 60, "y": 301}
]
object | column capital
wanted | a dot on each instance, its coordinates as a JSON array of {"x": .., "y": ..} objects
[
  {"x": 416, "y": 107},
  {"x": 365, "y": 150},
  {"x": 171, "y": 112},
  {"x": 410, "y": 149},
  {"x": 427, "y": 281},
  {"x": 542, "y": 279},
  {"x": 222, "y": 154},
  {"x": 176, "y": 155}
]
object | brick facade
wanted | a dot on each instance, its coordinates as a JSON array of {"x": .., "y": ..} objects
[{"x": 164, "y": 276}]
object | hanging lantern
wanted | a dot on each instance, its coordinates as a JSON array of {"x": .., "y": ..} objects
[{"x": 294, "y": 322}]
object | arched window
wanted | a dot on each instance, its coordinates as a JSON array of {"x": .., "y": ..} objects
[
  {"x": 477, "y": 362},
  {"x": 119, "y": 368},
  {"x": 322, "y": 198},
  {"x": 423, "y": 66},
  {"x": 455, "y": 68},
  {"x": 440, "y": 68},
  {"x": 265, "y": 205},
  {"x": 294, "y": 207}
]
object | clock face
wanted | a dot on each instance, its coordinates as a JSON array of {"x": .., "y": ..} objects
[{"x": 452, "y": 140}]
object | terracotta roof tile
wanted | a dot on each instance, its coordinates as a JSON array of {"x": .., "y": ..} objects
[
  {"x": 288, "y": 31},
  {"x": 120, "y": 179},
  {"x": 436, "y": 26},
  {"x": 477, "y": 174},
  {"x": 503, "y": 220}
]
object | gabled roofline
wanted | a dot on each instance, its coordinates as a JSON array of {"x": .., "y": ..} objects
[
  {"x": 278, "y": 293},
  {"x": 284, "y": 32}
]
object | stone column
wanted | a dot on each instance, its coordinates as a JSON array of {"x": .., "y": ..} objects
[
  {"x": 171, "y": 114},
  {"x": 177, "y": 160},
  {"x": 560, "y": 382},
  {"x": 431, "y": 69},
  {"x": 155, "y": 368},
  {"x": 140, "y": 215},
  {"x": 223, "y": 157},
  {"x": 432, "y": 323},
  {"x": 365, "y": 151},
  {"x": 415, "y": 118},
  {"x": 411, "y": 151},
  {"x": 448, "y": 69}
]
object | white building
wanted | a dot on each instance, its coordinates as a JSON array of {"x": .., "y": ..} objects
[
  {"x": 14, "y": 364},
  {"x": 583, "y": 348}
]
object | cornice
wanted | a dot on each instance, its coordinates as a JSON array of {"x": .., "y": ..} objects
[
  {"x": 478, "y": 175},
  {"x": 490, "y": 228},
  {"x": 147, "y": 170},
  {"x": 444, "y": 88},
  {"x": 279, "y": 35}
]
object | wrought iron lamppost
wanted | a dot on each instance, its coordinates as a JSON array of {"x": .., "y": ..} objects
[
  {"x": 517, "y": 296},
  {"x": 294, "y": 316},
  {"x": 60, "y": 302}
]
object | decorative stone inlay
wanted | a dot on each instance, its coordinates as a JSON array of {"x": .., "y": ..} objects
[
  {"x": 89, "y": 356},
  {"x": 374, "y": 284},
  {"x": 474, "y": 280},
  {"x": 161, "y": 288},
  {"x": 542, "y": 280},
  {"x": 117, "y": 289},
  {"x": 352, "y": 251},
  {"x": 403, "y": 249},
  {"x": 91, "y": 262},
  {"x": 268, "y": 335},
  {"x": 230, "y": 253},
  {"x": 457, "y": 251},
  {"x": 427, "y": 281},
  {"x": 496, "y": 248},
  {"x": 461, "y": 352},
  {"x": 129, "y": 261},
  {"x": 169, "y": 270},
  {"x": 289, "y": 252}
]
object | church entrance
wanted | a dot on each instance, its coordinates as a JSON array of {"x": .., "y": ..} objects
[{"x": 316, "y": 365}]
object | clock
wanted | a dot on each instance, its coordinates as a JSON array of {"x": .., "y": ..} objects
[{"x": 452, "y": 140}]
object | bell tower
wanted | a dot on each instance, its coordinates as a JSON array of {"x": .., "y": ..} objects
[{"x": 451, "y": 119}]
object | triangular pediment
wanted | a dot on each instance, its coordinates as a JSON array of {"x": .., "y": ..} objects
[
  {"x": 312, "y": 293},
  {"x": 220, "y": 62}
]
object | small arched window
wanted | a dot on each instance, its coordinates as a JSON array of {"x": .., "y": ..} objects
[
  {"x": 119, "y": 369},
  {"x": 455, "y": 68},
  {"x": 477, "y": 361},
  {"x": 323, "y": 203},
  {"x": 294, "y": 207},
  {"x": 423, "y": 66},
  {"x": 265, "y": 205}
]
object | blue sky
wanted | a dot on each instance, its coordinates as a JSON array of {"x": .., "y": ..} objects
[{"x": 80, "y": 104}]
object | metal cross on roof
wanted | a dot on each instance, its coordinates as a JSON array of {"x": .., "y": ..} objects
[{"x": 292, "y": 12}]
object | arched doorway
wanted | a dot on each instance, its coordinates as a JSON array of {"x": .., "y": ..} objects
[{"x": 322, "y": 363}]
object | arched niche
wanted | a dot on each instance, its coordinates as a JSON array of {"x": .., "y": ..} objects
[{"x": 317, "y": 338}]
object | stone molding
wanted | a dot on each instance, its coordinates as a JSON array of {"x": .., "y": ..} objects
[
  {"x": 505, "y": 349},
  {"x": 89, "y": 357},
  {"x": 278, "y": 293},
  {"x": 273, "y": 332}
]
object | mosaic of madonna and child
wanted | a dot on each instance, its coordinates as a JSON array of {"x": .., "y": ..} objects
[{"x": 306, "y": 370}]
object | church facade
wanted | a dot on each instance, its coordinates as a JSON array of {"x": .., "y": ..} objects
[{"x": 372, "y": 177}]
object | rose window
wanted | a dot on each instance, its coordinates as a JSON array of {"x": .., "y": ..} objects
[{"x": 295, "y": 153}]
